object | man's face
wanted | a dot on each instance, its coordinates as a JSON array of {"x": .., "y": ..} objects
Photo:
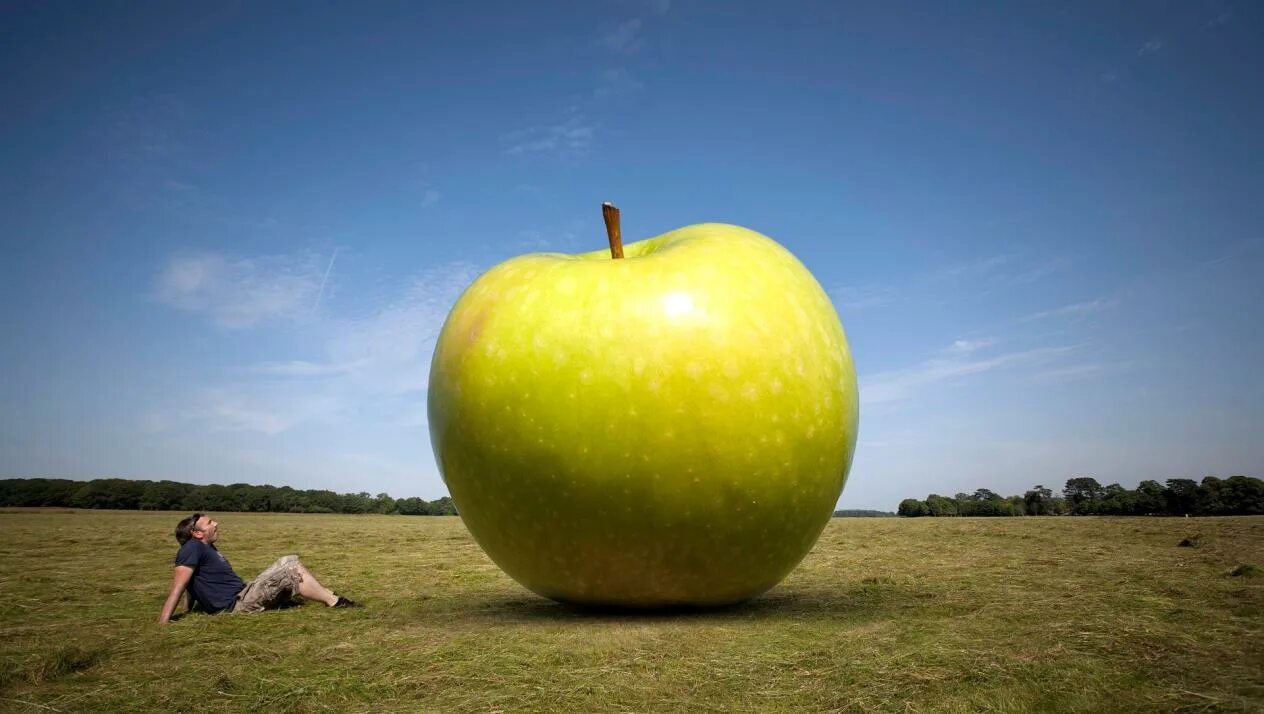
[{"x": 206, "y": 529}]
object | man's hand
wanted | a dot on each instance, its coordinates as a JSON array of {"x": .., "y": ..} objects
[{"x": 179, "y": 582}]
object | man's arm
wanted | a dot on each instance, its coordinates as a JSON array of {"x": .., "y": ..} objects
[{"x": 179, "y": 581}]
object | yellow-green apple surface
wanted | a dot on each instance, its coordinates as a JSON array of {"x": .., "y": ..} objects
[{"x": 672, "y": 428}]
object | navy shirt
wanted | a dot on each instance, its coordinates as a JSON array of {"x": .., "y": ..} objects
[{"x": 214, "y": 584}]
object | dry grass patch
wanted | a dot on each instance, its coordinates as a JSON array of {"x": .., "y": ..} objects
[{"x": 1032, "y": 614}]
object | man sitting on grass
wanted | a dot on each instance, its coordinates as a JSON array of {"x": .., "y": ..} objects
[{"x": 210, "y": 582}]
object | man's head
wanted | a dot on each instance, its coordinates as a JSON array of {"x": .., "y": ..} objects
[{"x": 198, "y": 526}]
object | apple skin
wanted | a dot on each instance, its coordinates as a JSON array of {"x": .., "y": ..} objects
[{"x": 669, "y": 429}]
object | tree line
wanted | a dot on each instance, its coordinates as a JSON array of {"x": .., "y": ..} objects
[
  {"x": 128, "y": 494},
  {"x": 862, "y": 513},
  {"x": 1084, "y": 496}
]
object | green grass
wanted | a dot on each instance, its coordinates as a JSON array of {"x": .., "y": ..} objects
[{"x": 1035, "y": 614}]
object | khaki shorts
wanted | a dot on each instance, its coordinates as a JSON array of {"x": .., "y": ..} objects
[{"x": 275, "y": 587}]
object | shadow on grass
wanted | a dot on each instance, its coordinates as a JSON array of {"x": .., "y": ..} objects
[{"x": 849, "y": 601}]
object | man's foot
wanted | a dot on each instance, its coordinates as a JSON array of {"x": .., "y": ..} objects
[{"x": 344, "y": 602}]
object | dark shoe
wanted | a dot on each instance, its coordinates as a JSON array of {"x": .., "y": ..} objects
[{"x": 344, "y": 602}]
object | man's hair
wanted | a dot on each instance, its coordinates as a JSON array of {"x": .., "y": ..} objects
[{"x": 184, "y": 530}]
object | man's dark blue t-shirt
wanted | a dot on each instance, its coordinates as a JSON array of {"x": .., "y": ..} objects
[{"x": 214, "y": 584}]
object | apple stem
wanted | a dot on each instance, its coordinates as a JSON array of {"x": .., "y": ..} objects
[{"x": 611, "y": 216}]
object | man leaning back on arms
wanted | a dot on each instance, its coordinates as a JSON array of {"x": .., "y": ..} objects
[{"x": 205, "y": 575}]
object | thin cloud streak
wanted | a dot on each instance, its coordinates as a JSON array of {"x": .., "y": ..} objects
[
  {"x": 573, "y": 136},
  {"x": 1078, "y": 309},
  {"x": 325, "y": 280},
  {"x": 965, "y": 347},
  {"x": 1072, "y": 373},
  {"x": 378, "y": 363},
  {"x": 978, "y": 267},
  {"x": 1031, "y": 275},
  {"x": 899, "y": 385},
  {"x": 625, "y": 37},
  {"x": 617, "y": 83},
  {"x": 299, "y": 369},
  {"x": 237, "y": 293},
  {"x": 855, "y": 298},
  {"x": 1220, "y": 19}
]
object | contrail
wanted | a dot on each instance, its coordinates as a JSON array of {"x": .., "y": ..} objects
[{"x": 324, "y": 280}]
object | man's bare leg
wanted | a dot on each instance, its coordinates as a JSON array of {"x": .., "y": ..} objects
[{"x": 309, "y": 587}]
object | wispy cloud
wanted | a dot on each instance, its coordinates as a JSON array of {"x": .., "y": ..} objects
[
  {"x": 1241, "y": 251},
  {"x": 625, "y": 37},
  {"x": 242, "y": 292},
  {"x": 377, "y": 362},
  {"x": 1218, "y": 20},
  {"x": 1151, "y": 46},
  {"x": 898, "y": 385},
  {"x": 617, "y": 83},
  {"x": 299, "y": 369},
  {"x": 532, "y": 240},
  {"x": 1024, "y": 276},
  {"x": 862, "y": 297},
  {"x": 965, "y": 347},
  {"x": 259, "y": 411},
  {"x": 1078, "y": 309},
  {"x": 972, "y": 268},
  {"x": 574, "y": 135},
  {"x": 1072, "y": 373},
  {"x": 324, "y": 280},
  {"x": 993, "y": 273},
  {"x": 392, "y": 347},
  {"x": 430, "y": 197}
]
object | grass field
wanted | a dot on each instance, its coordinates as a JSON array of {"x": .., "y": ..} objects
[{"x": 1019, "y": 614}]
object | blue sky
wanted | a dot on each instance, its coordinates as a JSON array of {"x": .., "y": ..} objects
[{"x": 231, "y": 232}]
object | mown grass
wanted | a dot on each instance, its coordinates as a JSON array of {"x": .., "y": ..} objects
[{"x": 1035, "y": 614}]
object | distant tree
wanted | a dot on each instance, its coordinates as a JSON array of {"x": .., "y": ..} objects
[
  {"x": 411, "y": 506},
  {"x": 1083, "y": 494},
  {"x": 1209, "y": 498},
  {"x": 383, "y": 503},
  {"x": 1117, "y": 501},
  {"x": 1036, "y": 502},
  {"x": 172, "y": 495},
  {"x": 984, "y": 494},
  {"x": 1244, "y": 495},
  {"x": 235, "y": 497},
  {"x": 54, "y": 492},
  {"x": 323, "y": 502},
  {"x": 985, "y": 502},
  {"x": 912, "y": 508},
  {"x": 1149, "y": 499},
  {"x": 442, "y": 507},
  {"x": 991, "y": 508},
  {"x": 289, "y": 500},
  {"x": 102, "y": 493},
  {"x": 215, "y": 497},
  {"x": 1016, "y": 506},
  {"x": 358, "y": 503},
  {"x": 258, "y": 499},
  {"x": 1181, "y": 495},
  {"x": 941, "y": 505}
]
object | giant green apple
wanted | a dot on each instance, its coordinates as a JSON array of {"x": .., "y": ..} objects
[{"x": 670, "y": 428}]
